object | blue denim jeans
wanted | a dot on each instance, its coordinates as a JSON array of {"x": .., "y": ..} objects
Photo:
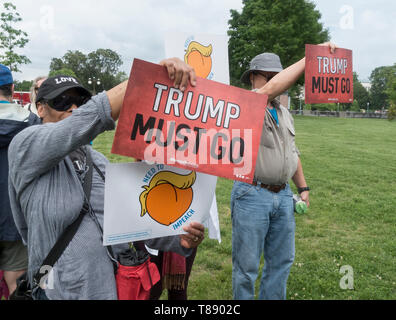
[{"x": 262, "y": 223}]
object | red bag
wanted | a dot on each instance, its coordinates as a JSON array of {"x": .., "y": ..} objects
[
  {"x": 3, "y": 288},
  {"x": 134, "y": 283}
]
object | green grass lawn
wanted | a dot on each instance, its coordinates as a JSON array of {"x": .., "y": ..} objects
[{"x": 350, "y": 165}]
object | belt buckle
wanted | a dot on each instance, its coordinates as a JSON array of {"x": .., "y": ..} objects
[
  {"x": 277, "y": 189},
  {"x": 272, "y": 188}
]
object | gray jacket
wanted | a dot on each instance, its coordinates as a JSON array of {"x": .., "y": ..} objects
[{"x": 46, "y": 196}]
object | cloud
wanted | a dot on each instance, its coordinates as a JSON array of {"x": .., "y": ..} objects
[
  {"x": 131, "y": 28},
  {"x": 375, "y": 20},
  {"x": 137, "y": 28}
]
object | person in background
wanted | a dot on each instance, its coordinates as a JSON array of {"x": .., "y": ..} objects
[
  {"x": 13, "y": 119},
  {"x": 33, "y": 94}
]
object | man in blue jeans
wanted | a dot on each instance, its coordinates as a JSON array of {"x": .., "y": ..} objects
[{"x": 263, "y": 213}]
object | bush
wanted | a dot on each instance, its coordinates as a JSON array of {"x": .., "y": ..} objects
[
  {"x": 324, "y": 107},
  {"x": 392, "y": 112},
  {"x": 355, "y": 106}
]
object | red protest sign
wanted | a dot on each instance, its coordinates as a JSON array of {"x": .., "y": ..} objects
[
  {"x": 211, "y": 128},
  {"x": 328, "y": 77}
]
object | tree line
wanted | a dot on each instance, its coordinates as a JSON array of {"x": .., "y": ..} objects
[{"x": 97, "y": 71}]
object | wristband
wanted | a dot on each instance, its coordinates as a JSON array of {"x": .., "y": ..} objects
[{"x": 301, "y": 190}]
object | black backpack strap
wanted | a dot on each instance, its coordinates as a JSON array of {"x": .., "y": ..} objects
[
  {"x": 99, "y": 172},
  {"x": 87, "y": 185},
  {"x": 71, "y": 230}
]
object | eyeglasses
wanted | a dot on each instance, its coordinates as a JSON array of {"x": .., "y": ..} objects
[{"x": 64, "y": 102}]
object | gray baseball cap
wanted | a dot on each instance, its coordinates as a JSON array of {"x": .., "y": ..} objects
[{"x": 267, "y": 62}]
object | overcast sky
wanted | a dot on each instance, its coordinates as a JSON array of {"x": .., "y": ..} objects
[{"x": 136, "y": 28}]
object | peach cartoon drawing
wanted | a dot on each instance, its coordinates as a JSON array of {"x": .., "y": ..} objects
[
  {"x": 199, "y": 57},
  {"x": 168, "y": 196}
]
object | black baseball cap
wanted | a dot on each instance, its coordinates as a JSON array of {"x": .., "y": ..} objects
[{"x": 55, "y": 86}]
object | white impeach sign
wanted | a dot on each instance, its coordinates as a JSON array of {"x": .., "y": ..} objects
[{"x": 150, "y": 201}]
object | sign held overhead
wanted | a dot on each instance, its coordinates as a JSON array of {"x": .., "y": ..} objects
[{"x": 328, "y": 77}]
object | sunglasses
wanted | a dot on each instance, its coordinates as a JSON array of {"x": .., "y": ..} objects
[
  {"x": 64, "y": 102},
  {"x": 265, "y": 75}
]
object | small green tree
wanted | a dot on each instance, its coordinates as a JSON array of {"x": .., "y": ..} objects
[
  {"x": 360, "y": 94},
  {"x": 392, "y": 112},
  {"x": 11, "y": 38},
  {"x": 355, "y": 106},
  {"x": 391, "y": 91},
  {"x": 381, "y": 78}
]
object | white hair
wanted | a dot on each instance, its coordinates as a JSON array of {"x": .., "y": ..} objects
[{"x": 32, "y": 93}]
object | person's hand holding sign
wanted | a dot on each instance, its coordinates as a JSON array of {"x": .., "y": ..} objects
[
  {"x": 178, "y": 70},
  {"x": 328, "y": 74},
  {"x": 194, "y": 237},
  {"x": 331, "y": 46}
]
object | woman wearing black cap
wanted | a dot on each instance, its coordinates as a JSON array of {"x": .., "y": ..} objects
[{"x": 48, "y": 163}]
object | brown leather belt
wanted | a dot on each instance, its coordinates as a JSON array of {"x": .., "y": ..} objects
[{"x": 274, "y": 189}]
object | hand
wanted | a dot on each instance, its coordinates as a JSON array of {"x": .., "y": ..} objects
[
  {"x": 194, "y": 237},
  {"x": 305, "y": 197},
  {"x": 331, "y": 46},
  {"x": 180, "y": 72}
]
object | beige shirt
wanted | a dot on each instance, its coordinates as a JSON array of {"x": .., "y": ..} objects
[{"x": 278, "y": 155}]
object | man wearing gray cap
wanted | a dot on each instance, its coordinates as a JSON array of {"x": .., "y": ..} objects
[{"x": 263, "y": 213}]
